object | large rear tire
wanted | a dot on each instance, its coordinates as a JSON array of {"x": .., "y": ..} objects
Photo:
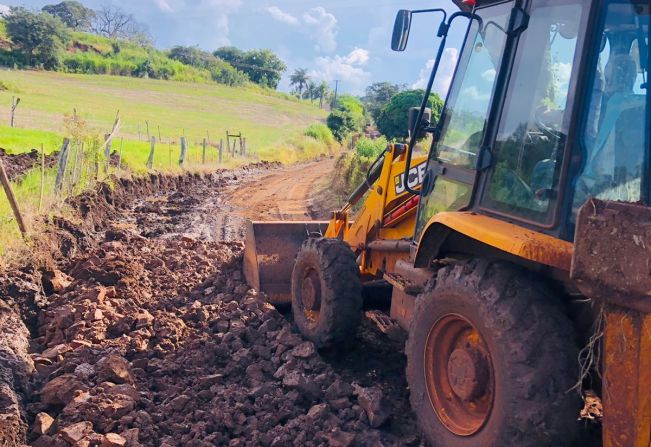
[
  {"x": 326, "y": 292},
  {"x": 490, "y": 359}
]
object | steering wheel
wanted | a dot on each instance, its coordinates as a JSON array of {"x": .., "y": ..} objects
[{"x": 545, "y": 126}]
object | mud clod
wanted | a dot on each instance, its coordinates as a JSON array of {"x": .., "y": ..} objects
[{"x": 154, "y": 339}]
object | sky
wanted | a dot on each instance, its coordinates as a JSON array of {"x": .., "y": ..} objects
[{"x": 348, "y": 40}]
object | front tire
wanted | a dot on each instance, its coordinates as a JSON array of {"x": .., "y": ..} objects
[
  {"x": 490, "y": 359},
  {"x": 326, "y": 292}
]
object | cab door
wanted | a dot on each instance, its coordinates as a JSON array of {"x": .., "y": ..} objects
[{"x": 452, "y": 165}]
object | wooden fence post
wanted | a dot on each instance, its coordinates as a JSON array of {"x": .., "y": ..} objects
[
  {"x": 148, "y": 136},
  {"x": 14, "y": 103},
  {"x": 228, "y": 143},
  {"x": 244, "y": 147},
  {"x": 221, "y": 150},
  {"x": 203, "y": 156},
  {"x": 63, "y": 161},
  {"x": 107, "y": 152},
  {"x": 233, "y": 149},
  {"x": 40, "y": 197},
  {"x": 120, "y": 156},
  {"x": 12, "y": 199},
  {"x": 150, "y": 160},
  {"x": 183, "y": 149}
]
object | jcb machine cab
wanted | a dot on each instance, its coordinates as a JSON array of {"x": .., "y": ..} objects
[{"x": 519, "y": 249}]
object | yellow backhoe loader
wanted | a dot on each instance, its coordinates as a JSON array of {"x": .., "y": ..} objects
[{"x": 519, "y": 249}]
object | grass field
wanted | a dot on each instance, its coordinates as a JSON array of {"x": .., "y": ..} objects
[
  {"x": 178, "y": 108},
  {"x": 274, "y": 126}
]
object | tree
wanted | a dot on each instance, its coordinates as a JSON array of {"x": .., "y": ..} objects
[
  {"x": 38, "y": 37},
  {"x": 220, "y": 70},
  {"x": 232, "y": 55},
  {"x": 299, "y": 80},
  {"x": 393, "y": 120},
  {"x": 377, "y": 96},
  {"x": 323, "y": 92},
  {"x": 263, "y": 67},
  {"x": 347, "y": 117},
  {"x": 114, "y": 23},
  {"x": 311, "y": 91},
  {"x": 72, "y": 13},
  {"x": 341, "y": 123}
]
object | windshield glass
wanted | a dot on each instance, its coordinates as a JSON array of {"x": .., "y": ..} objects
[
  {"x": 469, "y": 99},
  {"x": 616, "y": 134}
]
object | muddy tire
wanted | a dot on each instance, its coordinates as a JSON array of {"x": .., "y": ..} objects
[
  {"x": 490, "y": 359},
  {"x": 326, "y": 292}
]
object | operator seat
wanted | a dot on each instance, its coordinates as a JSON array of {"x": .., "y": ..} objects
[{"x": 620, "y": 74}]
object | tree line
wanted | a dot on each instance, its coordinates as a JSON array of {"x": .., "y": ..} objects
[
  {"x": 385, "y": 106},
  {"x": 42, "y": 38}
]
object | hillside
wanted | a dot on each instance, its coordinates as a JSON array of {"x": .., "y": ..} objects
[{"x": 179, "y": 108}]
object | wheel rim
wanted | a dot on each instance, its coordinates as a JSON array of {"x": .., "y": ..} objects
[
  {"x": 459, "y": 375},
  {"x": 311, "y": 296}
]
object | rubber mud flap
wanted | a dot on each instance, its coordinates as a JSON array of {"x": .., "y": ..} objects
[
  {"x": 612, "y": 253},
  {"x": 269, "y": 254}
]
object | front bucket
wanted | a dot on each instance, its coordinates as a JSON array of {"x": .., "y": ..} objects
[{"x": 269, "y": 255}]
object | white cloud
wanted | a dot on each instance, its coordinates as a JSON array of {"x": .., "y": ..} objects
[
  {"x": 163, "y": 5},
  {"x": 211, "y": 15},
  {"x": 317, "y": 24},
  {"x": 444, "y": 74},
  {"x": 489, "y": 75},
  {"x": 474, "y": 94},
  {"x": 349, "y": 69},
  {"x": 321, "y": 26},
  {"x": 358, "y": 56},
  {"x": 282, "y": 16}
]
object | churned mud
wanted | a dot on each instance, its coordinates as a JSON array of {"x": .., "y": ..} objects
[
  {"x": 17, "y": 165},
  {"x": 137, "y": 328}
]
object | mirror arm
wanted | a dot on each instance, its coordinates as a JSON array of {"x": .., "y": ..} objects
[{"x": 443, "y": 11}]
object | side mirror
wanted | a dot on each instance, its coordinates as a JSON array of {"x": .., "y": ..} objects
[
  {"x": 401, "y": 30},
  {"x": 413, "y": 116}
]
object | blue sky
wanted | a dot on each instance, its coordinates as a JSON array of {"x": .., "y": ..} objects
[{"x": 334, "y": 39}]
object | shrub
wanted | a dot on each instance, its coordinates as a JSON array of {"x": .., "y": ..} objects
[
  {"x": 366, "y": 147},
  {"x": 321, "y": 132},
  {"x": 39, "y": 38},
  {"x": 394, "y": 117},
  {"x": 341, "y": 123}
]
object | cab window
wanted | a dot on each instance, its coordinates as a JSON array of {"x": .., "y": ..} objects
[
  {"x": 529, "y": 147},
  {"x": 615, "y": 136}
]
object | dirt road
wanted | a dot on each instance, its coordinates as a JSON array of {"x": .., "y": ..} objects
[
  {"x": 290, "y": 193},
  {"x": 144, "y": 332}
]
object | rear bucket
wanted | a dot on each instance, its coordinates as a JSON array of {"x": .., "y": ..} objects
[
  {"x": 269, "y": 255},
  {"x": 612, "y": 265},
  {"x": 612, "y": 253}
]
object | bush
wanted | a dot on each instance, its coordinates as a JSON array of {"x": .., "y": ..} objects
[
  {"x": 369, "y": 148},
  {"x": 220, "y": 71},
  {"x": 394, "y": 117},
  {"x": 38, "y": 38},
  {"x": 341, "y": 123},
  {"x": 321, "y": 132}
]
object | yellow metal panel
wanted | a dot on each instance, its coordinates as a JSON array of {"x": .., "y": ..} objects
[{"x": 510, "y": 238}]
